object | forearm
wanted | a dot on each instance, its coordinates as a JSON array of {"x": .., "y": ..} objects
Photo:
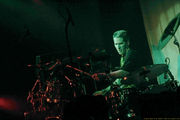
[
  {"x": 118, "y": 73},
  {"x": 103, "y": 91}
]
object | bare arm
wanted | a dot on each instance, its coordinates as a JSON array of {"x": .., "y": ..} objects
[{"x": 118, "y": 73}]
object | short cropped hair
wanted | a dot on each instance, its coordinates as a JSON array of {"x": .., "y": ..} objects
[{"x": 121, "y": 33}]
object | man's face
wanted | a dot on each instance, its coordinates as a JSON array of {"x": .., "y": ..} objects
[{"x": 120, "y": 45}]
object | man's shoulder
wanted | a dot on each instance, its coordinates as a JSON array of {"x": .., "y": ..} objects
[
  {"x": 132, "y": 53},
  {"x": 133, "y": 61}
]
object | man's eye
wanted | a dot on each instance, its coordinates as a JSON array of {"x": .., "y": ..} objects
[{"x": 118, "y": 44}]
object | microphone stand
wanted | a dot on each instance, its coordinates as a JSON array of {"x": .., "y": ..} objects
[
  {"x": 66, "y": 32},
  {"x": 92, "y": 70}
]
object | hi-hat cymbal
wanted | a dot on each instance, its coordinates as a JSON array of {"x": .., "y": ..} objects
[
  {"x": 146, "y": 75},
  {"x": 152, "y": 71}
]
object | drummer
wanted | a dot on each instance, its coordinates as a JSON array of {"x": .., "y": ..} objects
[{"x": 129, "y": 60}]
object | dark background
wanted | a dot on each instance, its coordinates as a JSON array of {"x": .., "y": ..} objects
[{"x": 37, "y": 27}]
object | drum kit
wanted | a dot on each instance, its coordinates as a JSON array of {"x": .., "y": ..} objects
[
  {"x": 65, "y": 82},
  {"x": 59, "y": 82}
]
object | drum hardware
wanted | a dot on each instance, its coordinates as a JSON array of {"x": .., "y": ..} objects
[
  {"x": 45, "y": 102},
  {"x": 53, "y": 117},
  {"x": 47, "y": 97},
  {"x": 169, "y": 86},
  {"x": 58, "y": 62},
  {"x": 69, "y": 80},
  {"x": 81, "y": 71},
  {"x": 117, "y": 97},
  {"x": 74, "y": 86},
  {"x": 155, "y": 71},
  {"x": 35, "y": 96}
]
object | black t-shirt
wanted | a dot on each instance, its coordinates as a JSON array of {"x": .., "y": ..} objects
[{"x": 132, "y": 61}]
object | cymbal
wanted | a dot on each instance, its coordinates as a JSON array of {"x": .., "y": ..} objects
[
  {"x": 99, "y": 55},
  {"x": 78, "y": 59},
  {"x": 152, "y": 71},
  {"x": 145, "y": 75},
  {"x": 169, "y": 32}
]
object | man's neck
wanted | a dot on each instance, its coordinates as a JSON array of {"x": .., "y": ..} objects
[{"x": 123, "y": 55}]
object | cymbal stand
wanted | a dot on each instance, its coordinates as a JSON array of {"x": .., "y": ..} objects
[
  {"x": 176, "y": 43},
  {"x": 73, "y": 85},
  {"x": 70, "y": 82},
  {"x": 82, "y": 73},
  {"x": 82, "y": 85},
  {"x": 172, "y": 82},
  {"x": 92, "y": 70},
  {"x": 69, "y": 20}
]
